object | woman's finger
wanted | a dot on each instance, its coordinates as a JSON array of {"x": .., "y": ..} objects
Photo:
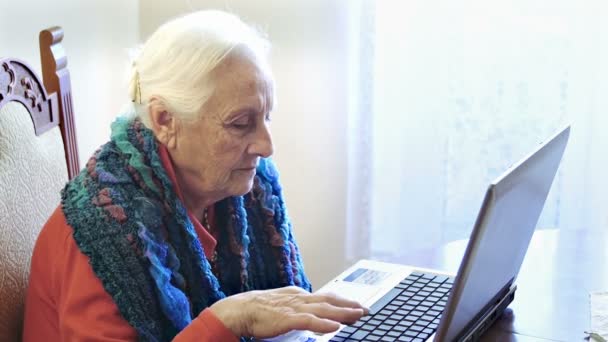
[
  {"x": 334, "y": 313},
  {"x": 307, "y": 321},
  {"x": 334, "y": 300}
]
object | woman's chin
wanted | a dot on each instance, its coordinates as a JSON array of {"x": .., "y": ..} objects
[
  {"x": 242, "y": 188},
  {"x": 242, "y": 182}
]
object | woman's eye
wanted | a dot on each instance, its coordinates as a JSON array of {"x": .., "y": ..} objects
[{"x": 240, "y": 124}]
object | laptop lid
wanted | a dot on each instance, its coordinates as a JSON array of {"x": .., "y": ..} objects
[{"x": 501, "y": 235}]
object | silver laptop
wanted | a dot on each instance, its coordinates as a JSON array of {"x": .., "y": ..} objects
[{"x": 416, "y": 304}]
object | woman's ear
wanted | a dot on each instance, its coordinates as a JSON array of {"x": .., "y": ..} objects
[{"x": 164, "y": 124}]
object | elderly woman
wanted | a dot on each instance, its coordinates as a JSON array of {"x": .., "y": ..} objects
[{"x": 177, "y": 229}]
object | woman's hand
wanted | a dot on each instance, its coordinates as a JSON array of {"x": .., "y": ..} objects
[{"x": 269, "y": 313}]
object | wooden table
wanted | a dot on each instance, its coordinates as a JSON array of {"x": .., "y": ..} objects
[{"x": 552, "y": 300}]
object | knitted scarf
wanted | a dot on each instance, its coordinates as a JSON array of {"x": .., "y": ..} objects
[{"x": 128, "y": 220}]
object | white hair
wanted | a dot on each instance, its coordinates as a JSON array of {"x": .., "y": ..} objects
[{"x": 175, "y": 64}]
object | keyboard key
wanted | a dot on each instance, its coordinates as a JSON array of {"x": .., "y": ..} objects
[
  {"x": 381, "y": 332},
  {"x": 348, "y": 329},
  {"x": 372, "y": 338},
  {"x": 423, "y": 335},
  {"x": 384, "y": 301},
  {"x": 429, "y": 301},
  {"x": 343, "y": 334},
  {"x": 423, "y": 281},
  {"x": 431, "y": 287},
  {"x": 388, "y": 339},
  {"x": 358, "y": 324},
  {"x": 359, "y": 335},
  {"x": 434, "y": 312},
  {"x": 416, "y": 327},
  {"x": 427, "y": 318},
  {"x": 368, "y": 327},
  {"x": 402, "y": 312},
  {"x": 377, "y": 333},
  {"x": 423, "y": 307},
  {"x": 409, "y": 318},
  {"x": 435, "y": 296},
  {"x": 391, "y": 322},
  {"x": 405, "y": 323},
  {"x": 416, "y": 313},
  {"x": 405, "y": 339},
  {"x": 394, "y": 333},
  {"x": 386, "y": 312},
  {"x": 441, "y": 278}
]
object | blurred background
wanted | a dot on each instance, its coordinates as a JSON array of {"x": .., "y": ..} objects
[{"x": 392, "y": 116}]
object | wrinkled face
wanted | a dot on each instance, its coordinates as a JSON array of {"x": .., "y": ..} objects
[{"x": 216, "y": 155}]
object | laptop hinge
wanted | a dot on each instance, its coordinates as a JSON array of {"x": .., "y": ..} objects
[{"x": 488, "y": 314}]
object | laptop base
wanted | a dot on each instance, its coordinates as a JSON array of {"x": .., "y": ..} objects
[{"x": 476, "y": 330}]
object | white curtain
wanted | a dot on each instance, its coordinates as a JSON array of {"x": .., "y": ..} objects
[{"x": 448, "y": 94}]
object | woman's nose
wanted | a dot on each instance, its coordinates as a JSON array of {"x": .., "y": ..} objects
[{"x": 262, "y": 145}]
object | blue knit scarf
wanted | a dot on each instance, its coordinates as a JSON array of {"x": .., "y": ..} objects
[{"x": 128, "y": 220}]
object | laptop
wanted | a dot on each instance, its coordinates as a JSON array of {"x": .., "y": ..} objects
[{"x": 416, "y": 304}]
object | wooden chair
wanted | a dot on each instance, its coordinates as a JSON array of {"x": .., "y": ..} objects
[{"x": 38, "y": 154}]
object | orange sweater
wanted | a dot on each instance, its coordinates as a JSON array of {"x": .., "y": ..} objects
[{"x": 67, "y": 302}]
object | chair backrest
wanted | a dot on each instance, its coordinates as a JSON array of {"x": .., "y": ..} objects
[{"x": 38, "y": 155}]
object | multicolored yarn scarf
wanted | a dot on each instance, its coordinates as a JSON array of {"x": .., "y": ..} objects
[{"x": 128, "y": 220}]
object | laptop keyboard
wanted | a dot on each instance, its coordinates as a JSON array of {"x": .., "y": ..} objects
[{"x": 409, "y": 312}]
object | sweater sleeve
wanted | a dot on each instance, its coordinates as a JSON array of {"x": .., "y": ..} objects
[
  {"x": 206, "y": 327},
  {"x": 67, "y": 302}
]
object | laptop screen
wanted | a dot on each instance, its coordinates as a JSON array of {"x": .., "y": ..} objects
[{"x": 501, "y": 236}]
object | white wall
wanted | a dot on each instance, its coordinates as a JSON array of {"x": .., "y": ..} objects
[
  {"x": 97, "y": 35},
  {"x": 309, "y": 59}
]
